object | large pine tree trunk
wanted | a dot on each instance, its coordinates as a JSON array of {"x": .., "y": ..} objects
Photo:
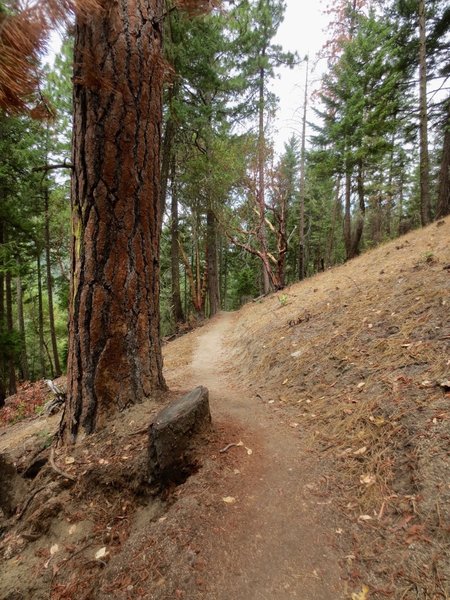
[
  {"x": 51, "y": 312},
  {"x": 425, "y": 201},
  {"x": 114, "y": 337}
]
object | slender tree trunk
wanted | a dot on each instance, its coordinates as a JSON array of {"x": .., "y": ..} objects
[
  {"x": 425, "y": 201},
  {"x": 40, "y": 318},
  {"x": 167, "y": 150},
  {"x": 225, "y": 276},
  {"x": 331, "y": 237},
  {"x": 359, "y": 227},
  {"x": 390, "y": 193},
  {"x": 51, "y": 312},
  {"x": 24, "y": 368},
  {"x": 177, "y": 309},
  {"x": 114, "y": 338},
  {"x": 348, "y": 215},
  {"x": 262, "y": 233},
  {"x": 443, "y": 206},
  {"x": 301, "y": 263},
  {"x": 212, "y": 263},
  {"x": 12, "y": 382}
]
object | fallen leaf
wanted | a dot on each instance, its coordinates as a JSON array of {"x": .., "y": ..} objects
[
  {"x": 229, "y": 500},
  {"x": 361, "y": 384},
  {"x": 368, "y": 479},
  {"x": 296, "y": 354},
  {"x": 54, "y": 549},
  {"x": 293, "y": 425},
  {"x": 101, "y": 554},
  {"x": 285, "y": 381},
  {"x": 427, "y": 384},
  {"x": 364, "y": 518},
  {"x": 360, "y": 451},
  {"x": 69, "y": 460},
  {"x": 362, "y": 595},
  {"x": 249, "y": 451}
]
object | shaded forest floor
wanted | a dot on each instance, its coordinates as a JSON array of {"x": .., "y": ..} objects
[{"x": 339, "y": 390}]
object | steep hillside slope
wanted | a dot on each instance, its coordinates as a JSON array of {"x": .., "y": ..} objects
[{"x": 357, "y": 359}]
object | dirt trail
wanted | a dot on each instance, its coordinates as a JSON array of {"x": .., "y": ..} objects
[{"x": 275, "y": 539}]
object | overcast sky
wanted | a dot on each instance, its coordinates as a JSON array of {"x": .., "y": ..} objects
[{"x": 303, "y": 31}]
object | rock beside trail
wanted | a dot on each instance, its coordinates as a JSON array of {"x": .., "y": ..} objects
[{"x": 172, "y": 437}]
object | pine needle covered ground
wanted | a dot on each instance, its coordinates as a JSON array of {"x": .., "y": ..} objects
[{"x": 357, "y": 359}]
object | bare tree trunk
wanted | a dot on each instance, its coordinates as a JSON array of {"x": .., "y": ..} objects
[
  {"x": 12, "y": 383},
  {"x": 301, "y": 262},
  {"x": 425, "y": 201},
  {"x": 443, "y": 207},
  {"x": 114, "y": 338},
  {"x": 177, "y": 309},
  {"x": 212, "y": 263},
  {"x": 24, "y": 369},
  {"x": 40, "y": 318},
  {"x": 51, "y": 312}
]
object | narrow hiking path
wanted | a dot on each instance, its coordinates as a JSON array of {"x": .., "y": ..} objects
[{"x": 275, "y": 537}]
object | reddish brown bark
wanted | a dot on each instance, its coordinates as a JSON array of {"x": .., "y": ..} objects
[{"x": 114, "y": 342}]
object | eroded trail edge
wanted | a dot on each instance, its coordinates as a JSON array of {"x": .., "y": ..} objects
[{"x": 275, "y": 538}]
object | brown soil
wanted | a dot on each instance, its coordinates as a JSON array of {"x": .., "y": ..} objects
[{"x": 336, "y": 389}]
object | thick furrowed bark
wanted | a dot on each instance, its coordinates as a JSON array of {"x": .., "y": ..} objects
[{"x": 114, "y": 343}]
